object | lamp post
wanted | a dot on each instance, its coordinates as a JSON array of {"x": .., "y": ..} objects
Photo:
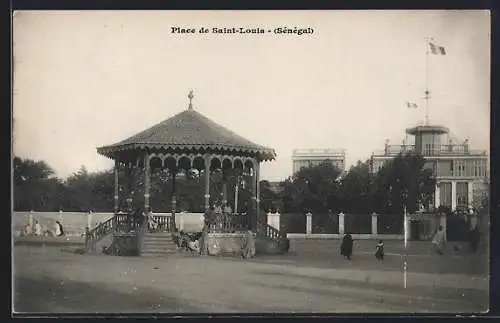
[{"x": 404, "y": 196}]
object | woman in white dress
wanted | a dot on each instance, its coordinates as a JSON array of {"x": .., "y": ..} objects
[
  {"x": 38, "y": 229},
  {"x": 439, "y": 240}
]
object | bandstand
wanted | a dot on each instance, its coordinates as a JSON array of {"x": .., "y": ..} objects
[{"x": 187, "y": 141}]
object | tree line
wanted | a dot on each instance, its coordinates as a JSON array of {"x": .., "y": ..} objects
[{"x": 402, "y": 180}]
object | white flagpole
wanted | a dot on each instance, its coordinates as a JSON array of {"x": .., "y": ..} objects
[
  {"x": 405, "y": 264},
  {"x": 427, "y": 92}
]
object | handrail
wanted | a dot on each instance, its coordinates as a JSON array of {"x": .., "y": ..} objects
[
  {"x": 160, "y": 223},
  {"x": 117, "y": 223},
  {"x": 270, "y": 231},
  {"x": 228, "y": 223}
]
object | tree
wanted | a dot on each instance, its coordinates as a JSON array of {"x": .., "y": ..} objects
[
  {"x": 35, "y": 186},
  {"x": 355, "y": 192},
  {"x": 403, "y": 181},
  {"x": 267, "y": 197},
  {"x": 313, "y": 189}
]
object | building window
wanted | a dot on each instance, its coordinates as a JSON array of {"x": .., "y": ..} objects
[
  {"x": 462, "y": 194},
  {"x": 445, "y": 194},
  {"x": 459, "y": 167}
]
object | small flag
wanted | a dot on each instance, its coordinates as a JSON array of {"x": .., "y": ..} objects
[
  {"x": 437, "y": 50},
  {"x": 411, "y": 105}
]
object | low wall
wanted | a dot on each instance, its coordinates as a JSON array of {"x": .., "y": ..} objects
[
  {"x": 225, "y": 243},
  {"x": 337, "y": 236},
  {"x": 73, "y": 223}
]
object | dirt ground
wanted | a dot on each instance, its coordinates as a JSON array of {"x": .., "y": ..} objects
[{"x": 48, "y": 280}]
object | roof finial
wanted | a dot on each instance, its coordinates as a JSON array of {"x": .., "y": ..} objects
[{"x": 190, "y": 96}]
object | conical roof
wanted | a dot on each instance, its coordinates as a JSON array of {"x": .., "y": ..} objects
[{"x": 189, "y": 130}]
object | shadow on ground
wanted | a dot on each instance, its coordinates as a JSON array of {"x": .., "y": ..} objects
[
  {"x": 48, "y": 295},
  {"x": 393, "y": 296}
]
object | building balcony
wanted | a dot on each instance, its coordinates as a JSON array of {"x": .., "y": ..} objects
[{"x": 439, "y": 150}]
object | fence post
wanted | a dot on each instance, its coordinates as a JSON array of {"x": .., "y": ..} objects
[
  {"x": 341, "y": 224},
  {"x": 30, "y": 219},
  {"x": 277, "y": 221},
  {"x": 374, "y": 224},
  {"x": 181, "y": 221},
  {"x": 89, "y": 220},
  {"x": 308, "y": 223},
  {"x": 273, "y": 220}
]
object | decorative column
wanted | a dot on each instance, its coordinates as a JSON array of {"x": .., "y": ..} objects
[
  {"x": 470, "y": 192},
  {"x": 437, "y": 196},
  {"x": 116, "y": 197},
  {"x": 174, "y": 201},
  {"x": 253, "y": 219},
  {"x": 207, "y": 183},
  {"x": 224, "y": 190},
  {"x": 236, "y": 191},
  {"x": 273, "y": 220},
  {"x": 341, "y": 224},
  {"x": 257, "y": 193},
  {"x": 309, "y": 223},
  {"x": 130, "y": 193},
  {"x": 453, "y": 195},
  {"x": 374, "y": 224},
  {"x": 146, "y": 183}
]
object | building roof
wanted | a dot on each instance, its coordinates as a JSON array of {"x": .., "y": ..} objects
[
  {"x": 427, "y": 129},
  {"x": 189, "y": 130}
]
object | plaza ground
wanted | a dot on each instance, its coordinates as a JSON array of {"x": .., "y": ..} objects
[{"x": 311, "y": 278}]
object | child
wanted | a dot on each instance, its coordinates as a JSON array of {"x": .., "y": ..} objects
[{"x": 379, "y": 254}]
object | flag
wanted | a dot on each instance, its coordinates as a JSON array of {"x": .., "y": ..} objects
[
  {"x": 437, "y": 50},
  {"x": 411, "y": 105}
]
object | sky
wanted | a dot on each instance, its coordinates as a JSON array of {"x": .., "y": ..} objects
[{"x": 92, "y": 78}]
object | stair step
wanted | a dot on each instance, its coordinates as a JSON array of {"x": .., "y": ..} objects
[
  {"x": 158, "y": 239},
  {"x": 158, "y": 243},
  {"x": 159, "y": 250},
  {"x": 157, "y": 254},
  {"x": 158, "y": 235},
  {"x": 155, "y": 244}
]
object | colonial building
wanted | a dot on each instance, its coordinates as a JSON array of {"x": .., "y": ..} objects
[
  {"x": 461, "y": 173},
  {"x": 312, "y": 157}
]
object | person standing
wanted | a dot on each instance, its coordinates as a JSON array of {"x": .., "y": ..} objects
[
  {"x": 203, "y": 241},
  {"x": 248, "y": 250},
  {"x": 379, "y": 253},
  {"x": 346, "y": 246},
  {"x": 438, "y": 241},
  {"x": 59, "y": 229}
]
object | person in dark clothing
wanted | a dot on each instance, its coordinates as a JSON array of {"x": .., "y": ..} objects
[
  {"x": 60, "y": 231},
  {"x": 379, "y": 253},
  {"x": 346, "y": 246}
]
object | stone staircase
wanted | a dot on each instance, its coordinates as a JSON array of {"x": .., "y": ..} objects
[{"x": 157, "y": 244}]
